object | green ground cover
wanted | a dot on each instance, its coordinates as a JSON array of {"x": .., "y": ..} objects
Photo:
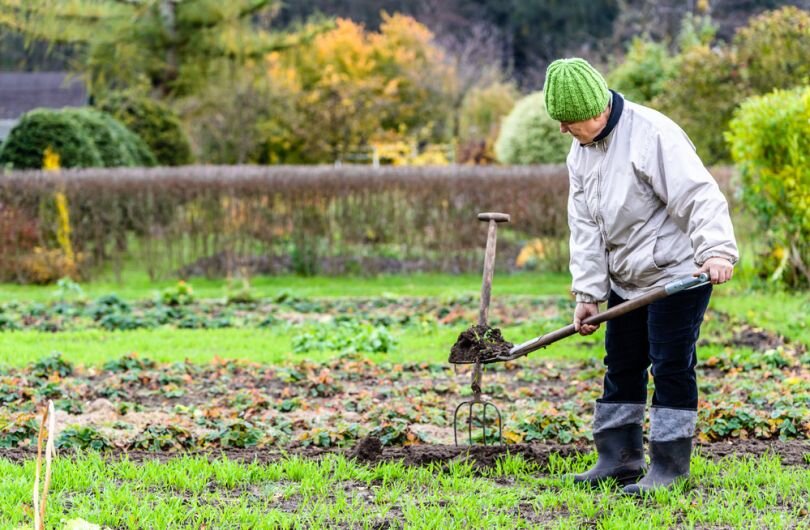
[
  {"x": 783, "y": 312},
  {"x": 296, "y": 386},
  {"x": 740, "y": 493},
  {"x": 136, "y": 285}
]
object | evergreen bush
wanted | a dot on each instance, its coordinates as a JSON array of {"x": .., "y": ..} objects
[{"x": 529, "y": 135}]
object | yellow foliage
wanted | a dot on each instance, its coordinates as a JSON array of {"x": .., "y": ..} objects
[
  {"x": 401, "y": 153},
  {"x": 531, "y": 254},
  {"x": 63, "y": 232},
  {"x": 512, "y": 436},
  {"x": 349, "y": 86},
  {"x": 50, "y": 160},
  {"x": 48, "y": 265}
]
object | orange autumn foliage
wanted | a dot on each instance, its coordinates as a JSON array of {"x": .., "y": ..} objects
[{"x": 349, "y": 86}]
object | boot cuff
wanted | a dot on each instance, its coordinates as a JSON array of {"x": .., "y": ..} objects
[
  {"x": 612, "y": 415},
  {"x": 671, "y": 424}
]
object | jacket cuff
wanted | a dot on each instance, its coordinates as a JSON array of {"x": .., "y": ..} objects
[
  {"x": 715, "y": 254},
  {"x": 586, "y": 298}
]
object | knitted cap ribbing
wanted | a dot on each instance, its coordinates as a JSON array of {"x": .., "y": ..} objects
[{"x": 574, "y": 90}]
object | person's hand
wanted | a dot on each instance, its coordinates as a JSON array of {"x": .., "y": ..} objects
[
  {"x": 720, "y": 270},
  {"x": 583, "y": 311}
]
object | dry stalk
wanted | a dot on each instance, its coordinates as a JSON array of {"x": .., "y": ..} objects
[{"x": 40, "y": 502}]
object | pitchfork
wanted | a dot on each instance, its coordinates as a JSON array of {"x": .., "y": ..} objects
[{"x": 483, "y": 315}]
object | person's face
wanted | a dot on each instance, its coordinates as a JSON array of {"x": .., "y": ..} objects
[{"x": 585, "y": 131}]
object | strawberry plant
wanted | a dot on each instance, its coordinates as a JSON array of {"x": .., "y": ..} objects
[{"x": 82, "y": 437}]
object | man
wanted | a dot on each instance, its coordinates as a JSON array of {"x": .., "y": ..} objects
[{"x": 642, "y": 210}]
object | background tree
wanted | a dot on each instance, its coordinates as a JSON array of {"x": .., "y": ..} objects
[
  {"x": 701, "y": 97},
  {"x": 166, "y": 46},
  {"x": 480, "y": 116},
  {"x": 349, "y": 86},
  {"x": 711, "y": 79},
  {"x": 770, "y": 142},
  {"x": 773, "y": 50},
  {"x": 645, "y": 70}
]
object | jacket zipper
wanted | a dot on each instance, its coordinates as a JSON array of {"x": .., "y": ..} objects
[{"x": 600, "y": 217}]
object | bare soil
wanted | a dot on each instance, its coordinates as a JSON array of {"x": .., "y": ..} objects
[{"x": 370, "y": 451}]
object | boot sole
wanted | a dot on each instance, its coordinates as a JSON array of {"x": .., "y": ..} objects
[{"x": 621, "y": 480}]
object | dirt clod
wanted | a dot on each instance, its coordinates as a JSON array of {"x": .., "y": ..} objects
[
  {"x": 756, "y": 339},
  {"x": 478, "y": 343},
  {"x": 369, "y": 449}
]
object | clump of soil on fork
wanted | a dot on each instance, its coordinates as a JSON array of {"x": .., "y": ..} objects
[{"x": 478, "y": 343}]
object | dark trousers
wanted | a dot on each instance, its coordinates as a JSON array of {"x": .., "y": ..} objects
[{"x": 662, "y": 334}]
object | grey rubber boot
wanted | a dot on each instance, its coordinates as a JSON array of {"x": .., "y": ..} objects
[
  {"x": 617, "y": 434},
  {"x": 671, "y": 432}
]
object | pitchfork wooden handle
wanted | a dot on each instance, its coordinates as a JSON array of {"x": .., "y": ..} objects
[
  {"x": 542, "y": 341},
  {"x": 489, "y": 261}
]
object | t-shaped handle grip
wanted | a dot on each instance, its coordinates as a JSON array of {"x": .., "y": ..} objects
[
  {"x": 489, "y": 261},
  {"x": 494, "y": 216}
]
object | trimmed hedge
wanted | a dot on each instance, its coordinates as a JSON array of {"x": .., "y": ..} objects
[
  {"x": 42, "y": 128},
  {"x": 220, "y": 220},
  {"x": 98, "y": 127},
  {"x": 156, "y": 123},
  {"x": 83, "y": 137}
]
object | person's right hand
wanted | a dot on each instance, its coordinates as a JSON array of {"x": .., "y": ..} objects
[{"x": 582, "y": 312}]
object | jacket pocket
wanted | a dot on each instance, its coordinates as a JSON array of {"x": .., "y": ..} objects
[{"x": 671, "y": 247}]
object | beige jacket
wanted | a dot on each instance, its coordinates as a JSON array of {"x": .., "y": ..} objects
[{"x": 642, "y": 208}]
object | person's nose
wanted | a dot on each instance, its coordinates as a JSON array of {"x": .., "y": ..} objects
[{"x": 563, "y": 128}]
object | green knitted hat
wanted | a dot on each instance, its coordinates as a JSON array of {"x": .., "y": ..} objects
[{"x": 574, "y": 90}]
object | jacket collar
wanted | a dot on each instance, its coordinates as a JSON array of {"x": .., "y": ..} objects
[{"x": 616, "y": 108}]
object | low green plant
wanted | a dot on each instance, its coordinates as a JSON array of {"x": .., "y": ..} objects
[
  {"x": 107, "y": 305},
  {"x": 235, "y": 433},
  {"x": 547, "y": 422},
  {"x": 7, "y": 323},
  {"x": 53, "y": 364},
  {"x": 163, "y": 438},
  {"x": 82, "y": 438},
  {"x": 128, "y": 363},
  {"x": 66, "y": 289},
  {"x": 178, "y": 295},
  {"x": 396, "y": 432},
  {"x": 346, "y": 336},
  {"x": 340, "y": 435},
  {"x": 17, "y": 430}
]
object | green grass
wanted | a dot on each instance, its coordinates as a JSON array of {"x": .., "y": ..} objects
[
  {"x": 780, "y": 311},
  {"x": 191, "y": 492},
  {"x": 95, "y": 347},
  {"x": 785, "y": 312},
  {"x": 137, "y": 286}
]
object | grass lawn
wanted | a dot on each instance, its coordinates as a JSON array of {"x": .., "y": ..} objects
[
  {"x": 191, "y": 492},
  {"x": 137, "y": 286},
  {"x": 95, "y": 347},
  {"x": 780, "y": 311}
]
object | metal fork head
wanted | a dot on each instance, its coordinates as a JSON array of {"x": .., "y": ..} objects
[
  {"x": 477, "y": 374},
  {"x": 470, "y": 404}
]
